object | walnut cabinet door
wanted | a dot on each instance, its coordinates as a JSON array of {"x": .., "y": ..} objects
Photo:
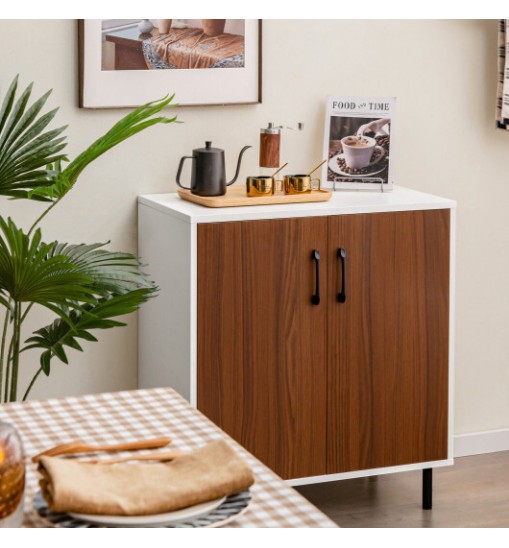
[
  {"x": 388, "y": 339},
  {"x": 262, "y": 338},
  {"x": 354, "y": 380}
]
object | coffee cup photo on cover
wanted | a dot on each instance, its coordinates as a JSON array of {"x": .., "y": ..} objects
[{"x": 358, "y": 147}]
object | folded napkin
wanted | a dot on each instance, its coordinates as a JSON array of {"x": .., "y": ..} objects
[{"x": 126, "y": 489}]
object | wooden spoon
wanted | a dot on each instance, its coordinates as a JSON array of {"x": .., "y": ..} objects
[
  {"x": 83, "y": 447},
  {"x": 162, "y": 457}
]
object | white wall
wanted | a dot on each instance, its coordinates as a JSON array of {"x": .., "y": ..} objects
[{"x": 444, "y": 75}]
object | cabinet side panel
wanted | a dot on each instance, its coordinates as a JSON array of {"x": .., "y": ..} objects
[
  {"x": 165, "y": 322},
  {"x": 388, "y": 367}
]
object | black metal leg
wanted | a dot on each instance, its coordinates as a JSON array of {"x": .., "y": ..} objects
[{"x": 427, "y": 488}]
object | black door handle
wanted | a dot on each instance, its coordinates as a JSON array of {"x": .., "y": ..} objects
[
  {"x": 342, "y": 291},
  {"x": 315, "y": 256}
]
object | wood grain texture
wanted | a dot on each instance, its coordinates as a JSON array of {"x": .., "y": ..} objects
[
  {"x": 236, "y": 196},
  {"x": 269, "y": 149},
  {"x": 76, "y": 447},
  {"x": 261, "y": 343},
  {"x": 388, "y": 343}
]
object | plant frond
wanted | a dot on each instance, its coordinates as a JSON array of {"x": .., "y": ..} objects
[
  {"x": 29, "y": 272},
  {"x": 111, "y": 272},
  {"x": 59, "y": 334},
  {"x": 131, "y": 124},
  {"x": 24, "y": 149},
  {"x": 8, "y": 101}
]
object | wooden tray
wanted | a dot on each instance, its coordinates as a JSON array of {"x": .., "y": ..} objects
[{"x": 236, "y": 196}]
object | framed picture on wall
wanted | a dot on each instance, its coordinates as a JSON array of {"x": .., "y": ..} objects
[
  {"x": 358, "y": 142},
  {"x": 128, "y": 62}
]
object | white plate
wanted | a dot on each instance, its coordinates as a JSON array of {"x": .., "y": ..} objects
[
  {"x": 334, "y": 166},
  {"x": 154, "y": 520}
]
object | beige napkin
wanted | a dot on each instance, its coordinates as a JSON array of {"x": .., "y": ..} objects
[{"x": 126, "y": 489}]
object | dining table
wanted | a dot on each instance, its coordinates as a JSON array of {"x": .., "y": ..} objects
[{"x": 116, "y": 417}]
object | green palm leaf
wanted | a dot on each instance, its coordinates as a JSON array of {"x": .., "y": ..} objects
[
  {"x": 31, "y": 272},
  {"x": 25, "y": 150},
  {"x": 54, "y": 337},
  {"x": 4, "y": 300},
  {"x": 134, "y": 122},
  {"x": 120, "y": 288},
  {"x": 86, "y": 286},
  {"x": 111, "y": 272}
]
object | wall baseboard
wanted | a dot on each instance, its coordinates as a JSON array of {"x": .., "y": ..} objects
[{"x": 481, "y": 442}]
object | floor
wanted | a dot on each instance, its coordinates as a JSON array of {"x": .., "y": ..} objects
[{"x": 472, "y": 493}]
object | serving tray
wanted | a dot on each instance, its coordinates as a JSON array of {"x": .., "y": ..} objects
[{"x": 236, "y": 196}]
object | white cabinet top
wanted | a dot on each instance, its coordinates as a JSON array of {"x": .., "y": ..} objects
[{"x": 341, "y": 203}]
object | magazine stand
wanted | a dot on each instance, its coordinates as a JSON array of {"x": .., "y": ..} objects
[{"x": 364, "y": 180}]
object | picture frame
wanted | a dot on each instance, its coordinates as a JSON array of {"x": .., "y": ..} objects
[
  {"x": 195, "y": 77},
  {"x": 358, "y": 143}
]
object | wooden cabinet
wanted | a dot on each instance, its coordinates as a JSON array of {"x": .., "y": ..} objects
[
  {"x": 388, "y": 342},
  {"x": 262, "y": 345},
  {"x": 336, "y": 386},
  {"x": 343, "y": 388}
]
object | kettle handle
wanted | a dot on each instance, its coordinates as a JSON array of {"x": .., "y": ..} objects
[{"x": 179, "y": 171}]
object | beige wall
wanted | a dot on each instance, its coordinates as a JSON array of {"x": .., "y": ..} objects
[{"x": 444, "y": 76}]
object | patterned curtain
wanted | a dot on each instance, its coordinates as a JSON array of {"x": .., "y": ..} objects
[{"x": 503, "y": 75}]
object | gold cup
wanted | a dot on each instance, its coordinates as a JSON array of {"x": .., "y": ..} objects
[
  {"x": 300, "y": 184},
  {"x": 260, "y": 185},
  {"x": 264, "y": 185}
]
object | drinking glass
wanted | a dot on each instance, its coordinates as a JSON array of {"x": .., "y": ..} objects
[{"x": 12, "y": 477}]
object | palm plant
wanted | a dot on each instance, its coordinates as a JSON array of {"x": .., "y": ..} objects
[{"x": 85, "y": 286}]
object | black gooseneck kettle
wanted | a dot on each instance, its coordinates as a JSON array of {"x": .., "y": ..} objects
[{"x": 208, "y": 176}]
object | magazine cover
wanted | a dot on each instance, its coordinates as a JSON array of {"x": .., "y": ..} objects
[{"x": 358, "y": 142}]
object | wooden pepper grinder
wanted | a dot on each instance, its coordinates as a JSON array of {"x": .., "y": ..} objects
[{"x": 270, "y": 144}]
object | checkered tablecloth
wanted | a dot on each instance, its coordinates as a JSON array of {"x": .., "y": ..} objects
[{"x": 141, "y": 414}]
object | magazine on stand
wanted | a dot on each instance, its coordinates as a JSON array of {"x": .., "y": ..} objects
[{"x": 358, "y": 143}]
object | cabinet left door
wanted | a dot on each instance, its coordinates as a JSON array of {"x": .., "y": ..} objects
[{"x": 262, "y": 342}]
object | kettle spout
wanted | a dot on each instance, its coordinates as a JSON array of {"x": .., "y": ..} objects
[{"x": 238, "y": 165}]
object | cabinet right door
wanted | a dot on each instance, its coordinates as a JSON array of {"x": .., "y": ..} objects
[{"x": 388, "y": 341}]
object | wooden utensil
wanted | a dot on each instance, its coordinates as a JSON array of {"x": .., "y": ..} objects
[
  {"x": 83, "y": 447},
  {"x": 162, "y": 457},
  {"x": 236, "y": 196}
]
